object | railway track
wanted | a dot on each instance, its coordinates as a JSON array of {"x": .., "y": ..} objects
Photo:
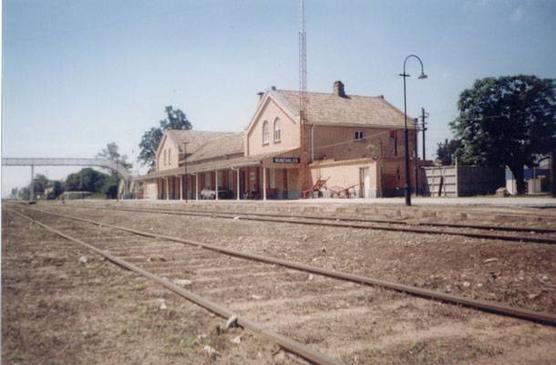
[
  {"x": 487, "y": 306},
  {"x": 528, "y": 234},
  {"x": 135, "y": 254},
  {"x": 230, "y": 281}
]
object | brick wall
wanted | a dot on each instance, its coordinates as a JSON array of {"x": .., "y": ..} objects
[
  {"x": 171, "y": 151},
  {"x": 289, "y": 131},
  {"x": 338, "y": 143}
]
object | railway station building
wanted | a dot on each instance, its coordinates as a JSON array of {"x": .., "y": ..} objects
[{"x": 345, "y": 146}]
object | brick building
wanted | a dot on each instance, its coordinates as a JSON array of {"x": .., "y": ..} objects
[{"x": 353, "y": 142}]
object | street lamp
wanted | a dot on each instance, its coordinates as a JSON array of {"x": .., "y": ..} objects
[{"x": 406, "y": 144}]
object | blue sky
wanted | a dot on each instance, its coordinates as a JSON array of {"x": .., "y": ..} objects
[{"x": 79, "y": 74}]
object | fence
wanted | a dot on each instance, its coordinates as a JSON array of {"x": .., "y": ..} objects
[{"x": 458, "y": 180}]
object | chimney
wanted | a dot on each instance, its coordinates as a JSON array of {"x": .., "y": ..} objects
[
  {"x": 260, "y": 95},
  {"x": 339, "y": 89}
]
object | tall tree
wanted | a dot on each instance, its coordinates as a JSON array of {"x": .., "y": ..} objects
[
  {"x": 509, "y": 120},
  {"x": 39, "y": 184},
  {"x": 57, "y": 189},
  {"x": 175, "y": 119},
  {"x": 86, "y": 179},
  {"x": 447, "y": 150}
]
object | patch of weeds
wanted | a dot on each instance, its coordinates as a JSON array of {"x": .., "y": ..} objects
[{"x": 416, "y": 348}]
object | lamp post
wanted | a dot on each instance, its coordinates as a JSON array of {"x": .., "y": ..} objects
[{"x": 406, "y": 143}]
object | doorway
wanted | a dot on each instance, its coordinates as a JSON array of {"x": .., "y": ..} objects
[{"x": 364, "y": 182}]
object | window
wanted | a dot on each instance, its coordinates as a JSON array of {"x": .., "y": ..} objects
[
  {"x": 169, "y": 157},
  {"x": 265, "y": 133},
  {"x": 164, "y": 158},
  {"x": 277, "y": 130},
  {"x": 358, "y": 136},
  {"x": 394, "y": 139}
]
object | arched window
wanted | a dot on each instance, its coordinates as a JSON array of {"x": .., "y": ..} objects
[
  {"x": 266, "y": 137},
  {"x": 277, "y": 130}
]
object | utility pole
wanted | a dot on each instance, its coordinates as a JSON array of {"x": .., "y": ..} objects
[
  {"x": 184, "y": 186},
  {"x": 424, "y": 116},
  {"x": 416, "y": 158},
  {"x": 553, "y": 173}
]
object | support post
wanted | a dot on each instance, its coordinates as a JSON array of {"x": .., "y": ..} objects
[
  {"x": 32, "y": 192},
  {"x": 406, "y": 145},
  {"x": 167, "y": 188},
  {"x": 264, "y": 183},
  {"x": 216, "y": 184},
  {"x": 457, "y": 175},
  {"x": 553, "y": 173},
  {"x": 416, "y": 159},
  {"x": 238, "y": 185},
  {"x": 424, "y": 117},
  {"x": 196, "y": 186},
  {"x": 181, "y": 187}
]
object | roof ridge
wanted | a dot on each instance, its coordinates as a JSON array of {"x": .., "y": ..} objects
[
  {"x": 195, "y": 130},
  {"x": 331, "y": 94}
]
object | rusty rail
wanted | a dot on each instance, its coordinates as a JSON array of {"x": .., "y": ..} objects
[
  {"x": 486, "y": 306},
  {"x": 540, "y": 230},
  {"x": 287, "y": 343},
  {"x": 337, "y": 222}
]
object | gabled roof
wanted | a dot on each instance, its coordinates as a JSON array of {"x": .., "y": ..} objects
[
  {"x": 333, "y": 110},
  {"x": 228, "y": 144},
  {"x": 193, "y": 140}
]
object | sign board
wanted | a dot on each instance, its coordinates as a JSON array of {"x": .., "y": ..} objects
[{"x": 291, "y": 160}]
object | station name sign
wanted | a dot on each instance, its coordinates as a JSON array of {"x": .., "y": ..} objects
[{"x": 286, "y": 160}]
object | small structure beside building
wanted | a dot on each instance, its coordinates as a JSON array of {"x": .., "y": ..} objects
[
  {"x": 537, "y": 180},
  {"x": 355, "y": 143},
  {"x": 460, "y": 180}
]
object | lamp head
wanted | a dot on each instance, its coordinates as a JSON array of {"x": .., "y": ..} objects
[{"x": 422, "y": 76}]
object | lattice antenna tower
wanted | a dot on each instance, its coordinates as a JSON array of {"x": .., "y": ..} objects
[{"x": 302, "y": 63}]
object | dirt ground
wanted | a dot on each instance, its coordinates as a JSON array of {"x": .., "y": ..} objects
[
  {"x": 57, "y": 309},
  {"x": 96, "y": 312}
]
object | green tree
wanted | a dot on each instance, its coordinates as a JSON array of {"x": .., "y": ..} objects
[
  {"x": 13, "y": 193},
  {"x": 110, "y": 187},
  {"x": 175, "y": 119},
  {"x": 447, "y": 150},
  {"x": 111, "y": 152},
  {"x": 39, "y": 184},
  {"x": 509, "y": 120},
  {"x": 87, "y": 179},
  {"x": 57, "y": 189}
]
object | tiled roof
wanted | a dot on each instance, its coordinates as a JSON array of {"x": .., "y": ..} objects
[
  {"x": 227, "y": 163},
  {"x": 353, "y": 110},
  {"x": 194, "y": 139},
  {"x": 225, "y": 145}
]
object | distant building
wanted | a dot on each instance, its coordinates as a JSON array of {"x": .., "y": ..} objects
[{"x": 355, "y": 143}]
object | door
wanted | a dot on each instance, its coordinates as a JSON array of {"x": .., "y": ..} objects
[{"x": 364, "y": 182}]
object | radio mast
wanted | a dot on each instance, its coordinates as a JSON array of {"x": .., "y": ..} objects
[{"x": 302, "y": 64}]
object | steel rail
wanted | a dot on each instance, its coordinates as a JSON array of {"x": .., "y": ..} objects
[
  {"x": 285, "y": 342},
  {"x": 388, "y": 221},
  {"x": 486, "y": 306},
  {"x": 374, "y": 220},
  {"x": 333, "y": 223}
]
